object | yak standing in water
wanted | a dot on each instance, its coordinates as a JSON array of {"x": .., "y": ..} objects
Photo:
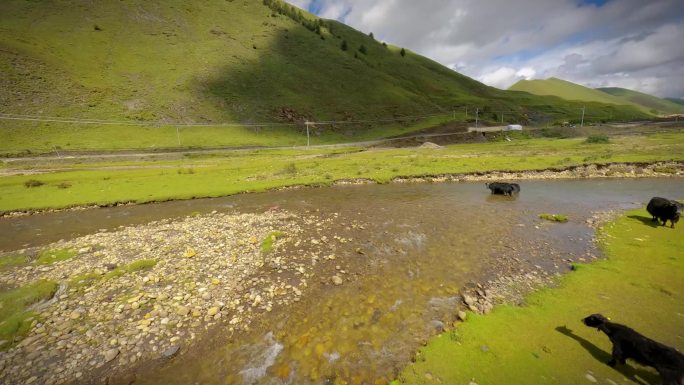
[
  {"x": 664, "y": 210},
  {"x": 503, "y": 188}
]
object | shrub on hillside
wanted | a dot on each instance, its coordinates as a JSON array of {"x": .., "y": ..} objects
[
  {"x": 597, "y": 139},
  {"x": 33, "y": 183}
]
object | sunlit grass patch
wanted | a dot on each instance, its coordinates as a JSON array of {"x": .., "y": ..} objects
[
  {"x": 132, "y": 267},
  {"x": 267, "y": 243},
  {"x": 15, "y": 318},
  {"x": 48, "y": 257},
  {"x": 12, "y": 260},
  {"x": 639, "y": 284}
]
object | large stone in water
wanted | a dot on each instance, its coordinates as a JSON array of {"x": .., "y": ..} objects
[{"x": 170, "y": 352}]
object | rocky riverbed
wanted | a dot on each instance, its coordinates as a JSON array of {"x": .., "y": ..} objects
[
  {"x": 347, "y": 290},
  {"x": 142, "y": 293}
]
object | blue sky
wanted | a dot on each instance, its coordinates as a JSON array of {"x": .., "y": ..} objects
[{"x": 598, "y": 43}]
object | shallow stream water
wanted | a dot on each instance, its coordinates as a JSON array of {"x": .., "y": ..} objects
[{"x": 420, "y": 245}]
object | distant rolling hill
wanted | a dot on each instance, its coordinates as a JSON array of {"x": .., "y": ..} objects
[
  {"x": 655, "y": 104},
  {"x": 619, "y": 96},
  {"x": 676, "y": 101},
  {"x": 245, "y": 62}
]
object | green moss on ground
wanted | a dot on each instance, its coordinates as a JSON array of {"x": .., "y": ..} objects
[
  {"x": 251, "y": 171},
  {"x": 49, "y": 257},
  {"x": 15, "y": 318},
  {"x": 132, "y": 267},
  {"x": 267, "y": 243},
  {"x": 554, "y": 217},
  {"x": 544, "y": 342},
  {"x": 12, "y": 260}
]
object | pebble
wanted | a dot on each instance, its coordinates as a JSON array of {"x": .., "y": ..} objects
[
  {"x": 182, "y": 310},
  {"x": 110, "y": 354},
  {"x": 337, "y": 280},
  {"x": 212, "y": 311}
]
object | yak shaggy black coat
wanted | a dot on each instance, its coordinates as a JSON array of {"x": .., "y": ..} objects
[{"x": 627, "y": 343}]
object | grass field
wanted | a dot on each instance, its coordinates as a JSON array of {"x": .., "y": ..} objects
[
  {"x": 639, "y": 284},
  {"x": 208, "y": 175},
  {"x": 44, "y": 138}
]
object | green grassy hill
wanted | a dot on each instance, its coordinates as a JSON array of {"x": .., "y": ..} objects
[
  {"x": 566, "y": 90},
  {"x": 611, "y": 95},
  {"x": 656, "y": 105},
  {"x": 160, "y": 63},
  {"x": 678, "y": 101}
]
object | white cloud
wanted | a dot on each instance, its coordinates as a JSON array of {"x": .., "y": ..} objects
[{"x": 501, "y": 41}]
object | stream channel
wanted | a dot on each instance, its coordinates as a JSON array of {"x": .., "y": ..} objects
[{"x": 419, "y": 247}]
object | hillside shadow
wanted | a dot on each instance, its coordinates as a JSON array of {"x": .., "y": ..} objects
[
  {"x": 645, "y": 220},
  {"x": 639, "y": 376},
  {"x": 290, "y": 74}
]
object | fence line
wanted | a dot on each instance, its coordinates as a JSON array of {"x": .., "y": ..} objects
[{"x": 54, "y": 119}]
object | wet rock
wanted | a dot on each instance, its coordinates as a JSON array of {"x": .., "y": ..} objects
[
  {"x": 437, "y": 326},
  {"x": 110, "y": 354},
  {"x": 170, "y": 352},
  {"x": 469, "y": 300},
  {"x": 110, "y": 266},
  {"x": 462, "y": 315}
]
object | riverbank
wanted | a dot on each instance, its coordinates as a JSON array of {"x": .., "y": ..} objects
[
  {"x": 543, "y": 341},
  {"x": 75, "y": 183},
  {"x": 588, "y": 171}
]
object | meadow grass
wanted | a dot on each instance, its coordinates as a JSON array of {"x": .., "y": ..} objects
[
  {"x": 544, "y": 342},
  {"x": 259, "y": 170},
  {"x": 15, "y": 318}
]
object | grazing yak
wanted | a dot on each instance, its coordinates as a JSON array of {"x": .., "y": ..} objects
[
  {"x": 503, "y": 188},
  {"x": 664, "y": 210},
  {"x": 627, "y": 343}
]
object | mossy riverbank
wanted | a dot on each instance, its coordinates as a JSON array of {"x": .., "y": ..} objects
[
  {"x": 544, "y": 342},
  {"x": 76, "y": 183}
]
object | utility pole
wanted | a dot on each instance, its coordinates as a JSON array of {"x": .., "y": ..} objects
[
  {"x": 307, "y": 132},
  {"x": 178, "y": 134},
  {"x": 502, "y": 117},
  {"x": 466, "y": 112},
  {"x": 582, "y": 122},
  {"x": 477, "y": 115}
]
